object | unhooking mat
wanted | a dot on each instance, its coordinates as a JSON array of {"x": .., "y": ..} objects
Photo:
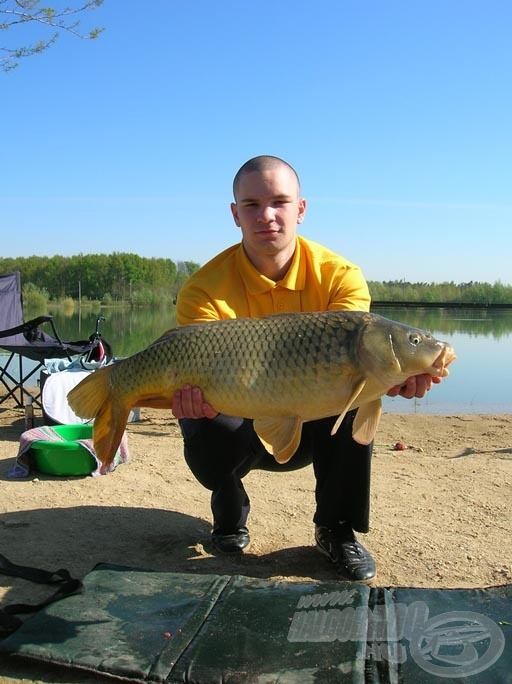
[{"x": 146, "y": 626}]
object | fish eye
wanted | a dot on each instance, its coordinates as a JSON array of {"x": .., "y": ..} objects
[{"x": 415, "y": 338}]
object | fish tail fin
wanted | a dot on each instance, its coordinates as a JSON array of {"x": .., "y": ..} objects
[
  {"x": 87, "y": 398},
  {"x": 109, "y": 426},
  {"x": 93, "y": 398}
]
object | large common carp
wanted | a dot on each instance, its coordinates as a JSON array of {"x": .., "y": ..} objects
[{"x": 280, "y": 370}]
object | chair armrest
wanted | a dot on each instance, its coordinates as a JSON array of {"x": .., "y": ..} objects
[{"x": 28, "y": 326}]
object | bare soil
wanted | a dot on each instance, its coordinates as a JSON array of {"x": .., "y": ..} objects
[{"x": 441, "y": 513}]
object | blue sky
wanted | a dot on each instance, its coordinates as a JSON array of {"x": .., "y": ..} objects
[{"x": 397, "y": 116}]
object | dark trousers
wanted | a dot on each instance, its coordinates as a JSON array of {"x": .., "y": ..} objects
[{"x": 220, "y": 452}]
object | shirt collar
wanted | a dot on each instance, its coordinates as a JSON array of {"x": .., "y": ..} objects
[{"x": 257, "y": 283}]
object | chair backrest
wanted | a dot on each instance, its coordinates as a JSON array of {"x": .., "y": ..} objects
[{"x": 11, "y": 307}]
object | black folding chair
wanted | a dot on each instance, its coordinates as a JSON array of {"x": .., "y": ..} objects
[{"x": 23, "y": 340}]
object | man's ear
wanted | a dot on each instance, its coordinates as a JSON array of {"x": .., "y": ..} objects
[
  {"x": 234, "y": 211},
  {"x": 302, "y": 210}
]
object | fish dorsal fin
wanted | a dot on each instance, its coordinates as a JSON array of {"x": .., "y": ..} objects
[
  {"x": 366, "y": 421},
  {"x": 280, "y": 436},
  {"x": 356, "y": 392}
]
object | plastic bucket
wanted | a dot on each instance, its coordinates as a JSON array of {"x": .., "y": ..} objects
[{"x": 66, "y": 457}]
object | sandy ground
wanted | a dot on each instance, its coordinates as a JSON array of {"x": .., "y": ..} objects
[{"x": 441, "y": 513}]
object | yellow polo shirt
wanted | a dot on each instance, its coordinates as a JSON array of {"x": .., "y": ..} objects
[{"x": 229, "y": 286}]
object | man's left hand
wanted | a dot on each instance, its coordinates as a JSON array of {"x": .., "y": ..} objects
[{"x": 414, "y": 387}]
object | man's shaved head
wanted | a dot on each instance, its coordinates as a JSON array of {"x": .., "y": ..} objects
[{"x": 264, "y": 162}]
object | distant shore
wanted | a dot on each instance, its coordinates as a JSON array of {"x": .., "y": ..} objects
[{"x": 439, "y": 305}]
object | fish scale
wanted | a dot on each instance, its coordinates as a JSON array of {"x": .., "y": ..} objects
[{"x": 266, "y": 357}]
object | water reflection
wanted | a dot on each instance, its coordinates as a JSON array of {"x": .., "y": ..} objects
[
  {"x": 128, "y": 330},
  {"x": 488, "y": 322}
]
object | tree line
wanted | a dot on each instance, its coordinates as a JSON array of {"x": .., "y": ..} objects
[
  {"x": 475, "y": 293},
  {"x": 108, "y": 278},
  {"x": 123, "y": 277}
]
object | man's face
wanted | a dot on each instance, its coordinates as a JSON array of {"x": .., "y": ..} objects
[{"x": 268, "y": 209}]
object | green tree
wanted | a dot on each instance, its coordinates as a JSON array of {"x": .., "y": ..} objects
[
  {"x": 185, "y": 270},
  {"x": 16, "y": 14}
]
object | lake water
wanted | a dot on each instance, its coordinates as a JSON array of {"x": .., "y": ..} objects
[{"x": 480, "y": 379}]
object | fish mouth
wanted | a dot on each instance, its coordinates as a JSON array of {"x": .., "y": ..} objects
[{"x": 439, "y": 366}]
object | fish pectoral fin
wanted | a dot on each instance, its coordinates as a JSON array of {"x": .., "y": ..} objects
[
  {"x": 355, "y": 393},
  {"x": 366, "y": 421},
  {"x": 280, "y": 436}
]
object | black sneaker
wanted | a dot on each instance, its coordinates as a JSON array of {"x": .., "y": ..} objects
[
  {"x": 231, "y": 542},
  {"x": 352, "y": 561}
]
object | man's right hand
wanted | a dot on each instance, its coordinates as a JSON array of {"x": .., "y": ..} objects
[{"x": 188, "y": 402}]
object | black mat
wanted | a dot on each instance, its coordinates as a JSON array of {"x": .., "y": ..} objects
[{"x": 148, "y": 626}]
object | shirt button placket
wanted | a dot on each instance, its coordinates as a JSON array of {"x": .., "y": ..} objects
[{"x": 279, "y": 300}]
